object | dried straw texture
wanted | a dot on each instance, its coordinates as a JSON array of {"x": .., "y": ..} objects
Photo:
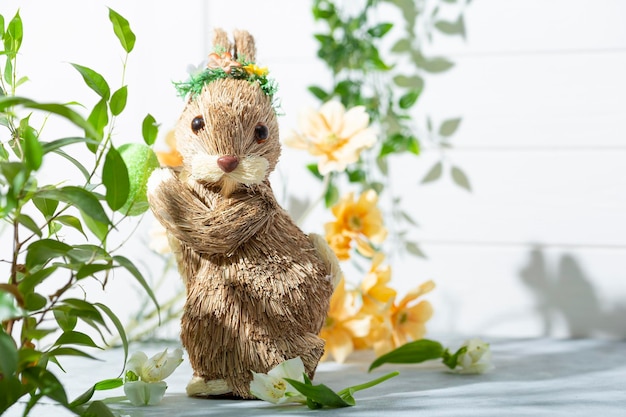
[{"x": 258, "y": 290}]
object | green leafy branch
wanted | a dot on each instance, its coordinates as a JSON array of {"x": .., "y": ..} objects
[{"x": 114, "y": 184}]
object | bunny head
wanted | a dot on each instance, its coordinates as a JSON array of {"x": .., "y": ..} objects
[{"x": 228, "y": 131}]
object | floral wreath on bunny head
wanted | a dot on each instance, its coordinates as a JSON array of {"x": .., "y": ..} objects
[{"x": 221, "y": 64}]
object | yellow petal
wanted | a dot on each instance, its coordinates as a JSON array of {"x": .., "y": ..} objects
[
  {"x": 339, "y": 344},
  {"x": 333, "y": 112},
  {"x": 416, "y": 292},
  {"x": 354, "y": 120}
]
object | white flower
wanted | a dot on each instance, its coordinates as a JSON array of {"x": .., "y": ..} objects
[
  {"x": 157, "y": 368},
  {"x": 476, "y": 359},
  {"x": 145, "y": 393},
  {"x": 144, "y": 383},
  {"x": 273, "y": 388}
]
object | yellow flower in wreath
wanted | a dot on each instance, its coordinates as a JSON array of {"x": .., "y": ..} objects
[
  {"x": 359, "y": 220},
  {"x": 333, "y": 134}
]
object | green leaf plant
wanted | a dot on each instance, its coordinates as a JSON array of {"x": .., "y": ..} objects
[
  {"x": 60, "y": 233},
  {"x": 388, "y": 81}
]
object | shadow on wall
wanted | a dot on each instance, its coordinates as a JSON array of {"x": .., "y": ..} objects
[{"x": 569, "y": 295}]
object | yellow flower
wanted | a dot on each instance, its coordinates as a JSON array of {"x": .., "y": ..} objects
[
  {"x": 334, "y": 135},
  {"x": 340, "y": 244},
  {"x": 374, "y": 285},
  {"x": 360, "y": 221},
  {"x": 253, "y": 69},
  {"x": 409, "y": 321},
  {"x": 343, "y": 323},
  {"x": 378, "y": 300},
  {"x": 171, "y": 158}
]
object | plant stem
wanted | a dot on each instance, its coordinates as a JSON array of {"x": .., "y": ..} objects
[{"x": 369, "y": 384}]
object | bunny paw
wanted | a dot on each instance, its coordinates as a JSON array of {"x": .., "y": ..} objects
[{"x": 158, "y": 177}]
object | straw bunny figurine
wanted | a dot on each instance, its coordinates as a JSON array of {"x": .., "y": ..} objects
[{"x": 258, "y": 288}]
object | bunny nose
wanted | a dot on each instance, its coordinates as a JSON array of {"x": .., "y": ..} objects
[{"x": 228, "y": 163}]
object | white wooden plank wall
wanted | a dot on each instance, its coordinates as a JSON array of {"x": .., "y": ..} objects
[{"x": 538, "y": 247}]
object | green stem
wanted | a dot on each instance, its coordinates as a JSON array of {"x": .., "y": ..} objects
[{"x": 367, "y": 385}]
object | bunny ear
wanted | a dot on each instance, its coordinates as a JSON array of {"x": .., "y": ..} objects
[
  {"x": 244, "y": 46},
  {"x": 220, "y": 40}
]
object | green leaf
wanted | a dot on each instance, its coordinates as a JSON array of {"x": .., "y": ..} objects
[
  {"x": 69, "y": 351},
  {"x": 8, "y": 354},
  {"x": 432, "y": 65},
  {"x": 84, "y": 397},
  {"x": 82, "y": 308},
  {"x": 80, "y": 198},
  {"x": 99, "y": 409},
  {"x": 48, "y": 384},
  {"x": 313, "y": 169},
  {"x": 448, "y": 127},
  {"x": 434, "y": 173},
  {"x": 332, "y": 195},
  {"x": 414, "y": 82},
  {"x": 76, "y": 163},
  {"x": 149, "y": 130},
  {"x": 98, "y": 386},
  {"x": 118, "y": 101},
  {"x": 414, "y": 249},
  {"x": 402, "y": 45},
  {"x": 34, "y": 301},
  {"x": 72, "y": 222},
  {"x": 8, "y": 71},
  {"x": 75, "y": 338},
  {"x": 452, "y": 28},
  {"x": 13, "y": 36},
  {"x": 26, "y": 221},
  {"x": 99, "y": 229},
  {"x": 58, "y": 109},
  {"x": 460, "y": 179},
  {"x": 120, "y": 329},
  {"x": 409, "y": 99},
  {"x": 33, "y": 153},
  {"x": 9, "y": 294},
  {"x": 41, "y": 251},
  {"x": 318, "y": 92},
  {"x": 28, "y": 284},
  {"x": 122, "y": 30},
  {"x": 88, "y": 253},
  {"x": 60, "y": 143},
  {"x": 64, "y": 319},
  {"x": 115, "y": 179},
  {"x": 320, "y": 394},
  {"x": 94, "y": 81},
  {"x": 380, "y": 30},
  {"x": 130, "y": 267},
  {"x": 108, "y": 384},
  {"x": 92, "y": 269},
  {"x": 412, "y": 352},
  {"x": 99, "y": 119}
]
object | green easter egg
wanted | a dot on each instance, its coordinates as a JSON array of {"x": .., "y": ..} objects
[{"x": 140, "y": 161}]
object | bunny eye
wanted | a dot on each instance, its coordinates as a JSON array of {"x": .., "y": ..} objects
[
  {"x": 197, "y": 124},
  {"x": 261, "y": 133}
]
